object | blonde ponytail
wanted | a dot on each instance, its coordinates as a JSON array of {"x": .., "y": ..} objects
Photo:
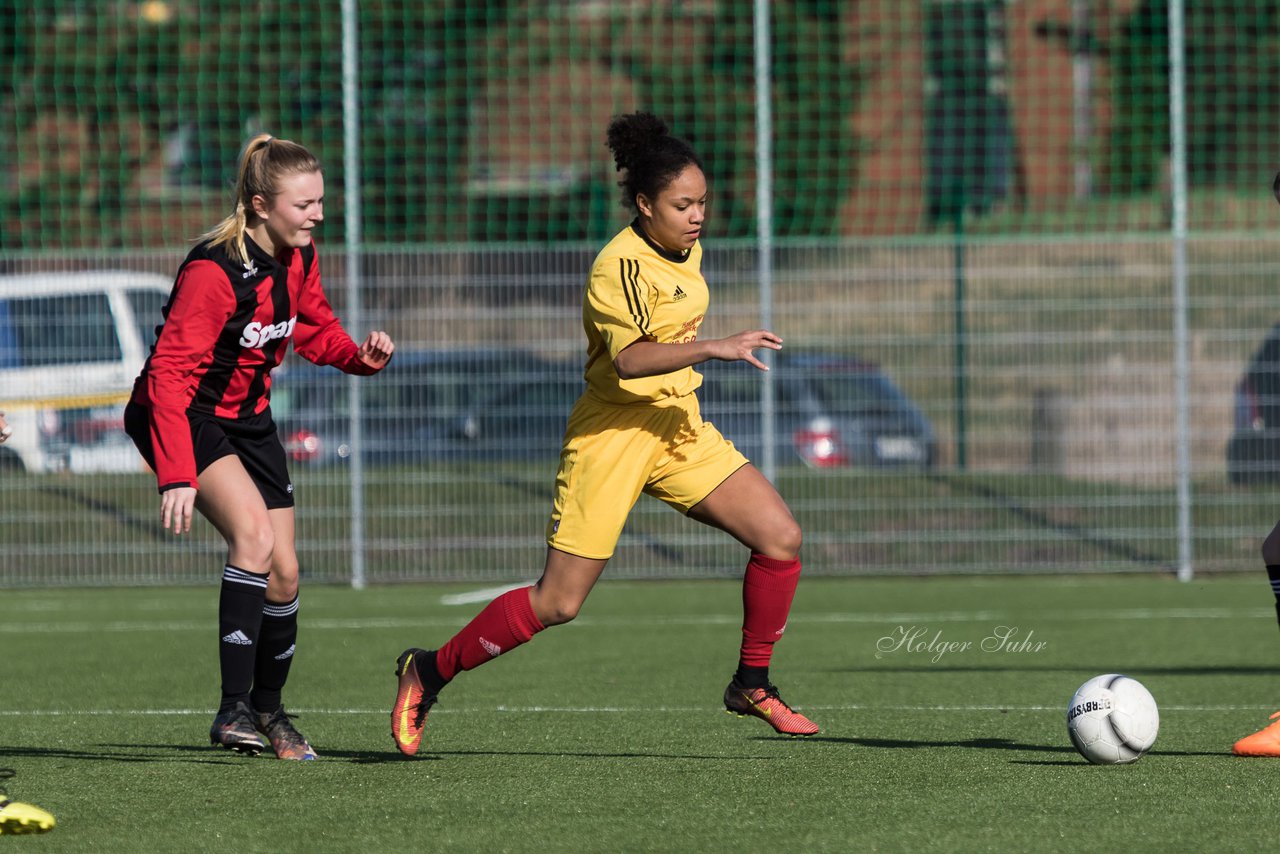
[{"x": 263, "y": 163}]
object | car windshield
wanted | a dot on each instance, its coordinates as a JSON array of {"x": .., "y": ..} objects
[
  {"x": 58, "y": 330},
  {"x": 438, "y": 390},
  {"x": 835, "y": 389},
  {"x": 394, "y": 395},
  {"x": 855, "y": 392}
]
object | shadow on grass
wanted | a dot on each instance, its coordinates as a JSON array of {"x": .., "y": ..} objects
[
  {"x": 1087, "y": 764},
  {"x": 913, "y": 744},
  {"x": 995, "y": 744},
  {"x": 111, "y": 753},
  {"x": 603, "y": 755},
  {"x": 175, "y": 753},
  {"x": 357, "y": 757},
  {"x": 180, "y": 753}
]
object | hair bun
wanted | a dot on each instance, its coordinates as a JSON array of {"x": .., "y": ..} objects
[{"x": 630, "y": 136}]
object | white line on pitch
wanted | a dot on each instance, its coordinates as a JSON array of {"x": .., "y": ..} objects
[
  {"x": 484, "y": 595},
  {"x": 890, "y": 618}
]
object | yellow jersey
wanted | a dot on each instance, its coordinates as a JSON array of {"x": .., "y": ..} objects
[{"x": 639, "y": 291}]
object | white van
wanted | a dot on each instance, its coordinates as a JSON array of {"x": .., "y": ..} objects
[{"x": 71, "y": 345}]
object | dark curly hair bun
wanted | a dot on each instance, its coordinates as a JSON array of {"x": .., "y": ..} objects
[
  {"x": 645, "y": 150},
  {"x": 633, "y": 135}
]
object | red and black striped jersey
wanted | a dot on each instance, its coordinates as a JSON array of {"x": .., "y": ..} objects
[{"x": 226, "y": 325}]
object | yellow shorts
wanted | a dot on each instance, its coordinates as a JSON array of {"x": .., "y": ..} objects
[{"x": 613, "y": 453}]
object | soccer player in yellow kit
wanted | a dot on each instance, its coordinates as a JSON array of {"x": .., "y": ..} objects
[
  {"x": 1266, "y": 741},
  {"x": 637, "y": 428}
]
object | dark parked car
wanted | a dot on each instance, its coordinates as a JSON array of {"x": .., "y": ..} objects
[
  {"x": 1253, "y": 453},
  {"x": 832, "y": 411},
  {"x": 429, "y": 405}
]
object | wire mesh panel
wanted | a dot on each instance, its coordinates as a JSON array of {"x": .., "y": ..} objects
[{"x": 972, "y": 271}]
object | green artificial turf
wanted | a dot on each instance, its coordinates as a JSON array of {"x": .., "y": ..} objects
[{"x": 608, "y": 734}]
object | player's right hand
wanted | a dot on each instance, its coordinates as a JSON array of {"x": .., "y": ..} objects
[
  {"x": 176, "y": 507},
  {"x": 376, "y": 350}
]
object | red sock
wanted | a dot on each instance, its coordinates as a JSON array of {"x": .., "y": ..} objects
[
  {"x": 503, "y": 625},
  {"x": 768, "y": 587}
]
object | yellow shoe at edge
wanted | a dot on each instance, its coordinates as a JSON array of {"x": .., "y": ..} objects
[{"x": 17, "y": 817}]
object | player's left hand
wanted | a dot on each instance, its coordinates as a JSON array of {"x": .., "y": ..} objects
[
  {"x": 376, "y": 350},
  {"x": 740, "y": 347}
]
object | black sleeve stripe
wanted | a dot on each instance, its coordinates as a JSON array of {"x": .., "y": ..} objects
[
  {"x": 630, "y": 270},
  {"x": 626, "y": 291},
  {"x": 644, "y": 306}
]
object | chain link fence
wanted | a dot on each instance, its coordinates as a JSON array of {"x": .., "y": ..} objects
[{"x": 973, "y": 242}]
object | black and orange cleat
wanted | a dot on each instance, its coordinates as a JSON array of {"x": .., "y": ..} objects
[
  {"x": 413, "y": 703},
  {"x": 285, "y": 739},
  {"x": 765, "y": 704},
  {"x": 234, "y": 729}
]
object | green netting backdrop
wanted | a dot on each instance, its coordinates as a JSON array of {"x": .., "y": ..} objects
[{"x": 975, "y": 195}]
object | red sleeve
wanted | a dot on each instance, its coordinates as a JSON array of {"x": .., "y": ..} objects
[
  {"x": 318, "y": 336},
  {"x": 202, "y": 303}
]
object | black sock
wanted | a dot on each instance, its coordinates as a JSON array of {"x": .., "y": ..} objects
[
  {"x": 239, "y": 620},
  {"x": 751, "y": 677},
  {"x": 432, "y": 681},
  {"x": 276, "y": 643},
  {"x": 1273, "y": 574}
]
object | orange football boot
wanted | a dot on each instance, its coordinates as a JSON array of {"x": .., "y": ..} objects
[
  {"x": 1264, "y": 742},
  {"x": 409, "y": 715},
  {"x": 765, "y": 704}
]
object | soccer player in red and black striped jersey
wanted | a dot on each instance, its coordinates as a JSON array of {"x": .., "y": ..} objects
[{"x": 201, "y": 418}]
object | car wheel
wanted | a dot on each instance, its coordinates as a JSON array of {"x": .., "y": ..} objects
[{"x": 10, "y": 462}]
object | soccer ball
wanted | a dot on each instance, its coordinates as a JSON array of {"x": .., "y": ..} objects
[{"x": 1112, "y": 719}]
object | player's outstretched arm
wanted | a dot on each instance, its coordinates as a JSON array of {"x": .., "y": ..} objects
[
  {"x": 742, "y": 347},
  {"x": 376, "y": 350},
  {"x": 650, "y": 358}
]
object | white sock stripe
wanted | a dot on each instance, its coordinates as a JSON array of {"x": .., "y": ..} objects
[
  {"x": 247, "y": 582},
  {"x": 270, "y": 609},
  {"x": 240, "y": 576}
]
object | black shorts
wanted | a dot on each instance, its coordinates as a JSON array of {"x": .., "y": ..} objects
[{"x": 254, "y": 440}]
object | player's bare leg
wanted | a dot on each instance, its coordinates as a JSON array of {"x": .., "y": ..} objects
[
  {"x": 564, "y": 586},
  {"x": 230, "y": 500},
  {"x": 505, "y": 623}
]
